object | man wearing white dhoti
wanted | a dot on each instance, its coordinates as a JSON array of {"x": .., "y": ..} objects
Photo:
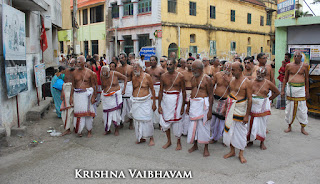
[
  {"x": 260, "y": 109},
  {"x": 142, "y": 105},
  {"x": 297, "y": 79},
  {"x": 187, "y": 74},
  {"x": 237, "y": 112},
  {"x": 83, "y": 97},
  {"x": 65, "y": 108},
  {"x": 155, "y": 71},
  {"x": 221, "y": 81},
  {"x": 200, "y": 108},
  {"x": 112, "y": 98},
  {"x": 127, "y": 71},
  {"x": 171, "y": 100}
]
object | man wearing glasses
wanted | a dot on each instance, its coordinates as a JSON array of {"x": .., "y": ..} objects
[
  {"x": 208, "y": 69},
  {"x": 163, "y": 63},
  {"x": 250, "y": 68},
  {"x": 297, "y": 79}
]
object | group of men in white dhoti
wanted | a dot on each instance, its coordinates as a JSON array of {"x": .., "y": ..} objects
[{"x": 228, "y": 105}]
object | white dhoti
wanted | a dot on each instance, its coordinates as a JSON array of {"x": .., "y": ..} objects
[
  {"x": 199, "y": 127},
  {"x": 156, "y": 116},
  {"x": 171, "y": 108},
  {"x": 260, "y": 111},
  {"x": 66, "y": 109},
  {"x": 185, "y": 117},
  {"x": 83, "y": 109},
  {"x": 142, "y": 114},
  {"x": 125, "y": 114},
  {"x": 111, "y": 104},
  {"x": 218, "y": 118},
  {"x": 296, "y": 104},
  {"x": 98, "y": 98},
  {"x": 235, "y": 131}
]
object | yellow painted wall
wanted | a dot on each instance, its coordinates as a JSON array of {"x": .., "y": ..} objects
[
  {"x": 66, "y": 14},
  {"x": 223, "y": 38}
]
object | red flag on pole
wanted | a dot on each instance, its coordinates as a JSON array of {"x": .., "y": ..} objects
[{"x": 43, "y": 37}]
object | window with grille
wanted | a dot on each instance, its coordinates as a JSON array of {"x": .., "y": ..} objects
[
  {"x": 269, "y": 18},
  {"x": 212, "y": 12},
  {"x": 233, "y": 46},
  {"x": 85, "y": 16},
  {"x": 192, "y": 38},
  {"x": 128, "y": 9},
  {"x": 193, "y": 8},
  {"x": 115, "y": 11},
  {"x": 249, "y": 18},
  {"x": 261, "y": 21},
  {"x": 144, "y": 6},
  {"x": 172, "y": 6},
  {"x": 233, "y": 15},
  {"x": 193, "y": 50},
  {"x": 96, "y": 14}
]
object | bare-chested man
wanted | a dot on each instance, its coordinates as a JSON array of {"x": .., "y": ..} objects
[
  {"x": 221, "y": 81},
  {"x": 82, "y": 97},
  {"x": 208, "y": 69},
  {"x": 238, "y": 109},
  {"x": 297, "y": 80},
  {"x": 172, "y": 97},
  {"x": 126, "y": 70},
  {"x": 155, "y": 72},
  {"x": 260, "y": 109},
  {"x": 163, "y": 63},
  {"x": 112, "y": 98},
  {"x": 262, "y": 58},
  {"x": 200, "y": 108},
  {"x": 66, "y": 109},
  {"x": 187, "y": 78},
  {"x": 216, "y": 65},
  {"x": 142, "y": 105},
  {"x": 183, "y": 65},
  {"x": 250, "y": 68}
]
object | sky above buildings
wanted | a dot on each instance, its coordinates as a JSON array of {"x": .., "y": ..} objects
[{"x": 315, "y": 7}]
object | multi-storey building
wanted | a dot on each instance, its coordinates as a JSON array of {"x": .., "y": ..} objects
[
  {"x": 91, "y": 32},
  {"x": 212, "y": 28}
]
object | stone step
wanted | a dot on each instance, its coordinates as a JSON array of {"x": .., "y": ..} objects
[
  {"x": 3, "y": 138},
  {"x": 37, "y": 112}
]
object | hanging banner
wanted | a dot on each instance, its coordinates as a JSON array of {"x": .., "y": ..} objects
[
  {"x": 286, "y": 9},
  {"x": 14, "y": 50}
]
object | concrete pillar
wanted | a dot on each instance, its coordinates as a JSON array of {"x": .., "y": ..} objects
[
  {"x": 121, "y": 12},
  {"x": 135, "y": 11},
  {"x": 111, "y": 50},
  {"x": 281, "y": 48},
  {"x": 135, "y": 40}
]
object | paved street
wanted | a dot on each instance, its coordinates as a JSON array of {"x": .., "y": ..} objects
[{"x": 290, "y": 158}]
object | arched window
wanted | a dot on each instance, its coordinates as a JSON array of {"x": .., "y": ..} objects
[
  {"x": 192, "y": 38},
  {"x": 173, "y": 48}
]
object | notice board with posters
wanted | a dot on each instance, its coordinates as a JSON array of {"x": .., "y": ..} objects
[
  {"x": 14, "y": 50},
  {"x": 308, "y": 52},
  {"x": 40, "y": 74}
]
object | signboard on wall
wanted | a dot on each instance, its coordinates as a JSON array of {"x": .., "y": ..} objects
[
  {"x": 14, "y": 50},
  {"x": 147, "y": 52},
  {"x": 286, "y": 9},
  {"x": 314, "y": 53},
  {"x": 40, "y": 74}
]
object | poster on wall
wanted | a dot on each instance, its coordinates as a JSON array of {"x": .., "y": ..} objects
[
  {"x": 314, "y": 53},
  {"x": 14, "y": 50},
  {"x": 40, "y": 74},
  {"x": 286, "y": 9},
  {"x": 305, "y": 52}
]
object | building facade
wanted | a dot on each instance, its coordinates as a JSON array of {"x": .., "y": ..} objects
[
  {"x": 33, "y": 10},
  {"x": 91, "y": 32},
  {"x": 212, "y": 28}
]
